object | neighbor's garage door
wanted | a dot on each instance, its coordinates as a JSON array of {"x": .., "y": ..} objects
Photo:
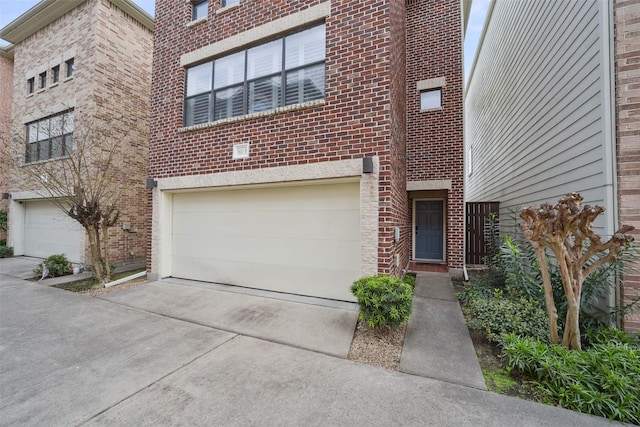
[
  {"x": 296, "y": 239},
  {"x": 48, "y": 231}
]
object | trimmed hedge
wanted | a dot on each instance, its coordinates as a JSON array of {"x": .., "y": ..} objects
[{"x": 383, "y": 300}]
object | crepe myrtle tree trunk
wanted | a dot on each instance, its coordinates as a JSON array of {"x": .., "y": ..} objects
[
  {"x": 567, "y": 230},
  {"x": 96, "y": 220}
]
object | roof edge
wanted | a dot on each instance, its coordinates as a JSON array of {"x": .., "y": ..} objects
[
  {"x": 7, "y": 51},
  {"x": 47, "y": 11},
  {"x": 136, "y": 12},
  {"x": 36, "y": 18}
]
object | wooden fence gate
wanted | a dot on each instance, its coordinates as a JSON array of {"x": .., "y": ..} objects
[{"x": 479, "y": 230}]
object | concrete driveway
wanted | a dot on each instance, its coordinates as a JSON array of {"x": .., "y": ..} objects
[
  {"x": 20, "y": 267},
  {"x": 69, "y": 359}
]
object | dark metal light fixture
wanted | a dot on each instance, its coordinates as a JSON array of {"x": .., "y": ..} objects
[{"x": 367, "y": 165}]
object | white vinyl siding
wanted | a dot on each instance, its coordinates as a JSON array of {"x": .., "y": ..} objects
[{"x": 535, "y": 107}]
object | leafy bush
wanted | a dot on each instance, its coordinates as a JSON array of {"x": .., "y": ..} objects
[
  {"x": 604, "y": 335},
  {"x": 410, "y": 280},
  {"x": 3, "y": 242},
  {"x": 496, "y": 311},
  {"x": 3, "y": 220},
  {"x": 603, "y": 380},
  {"x": 57, "y": 265},
  {"x": 383, "y": 300},
  {"x": 519, "y": 266},
  {"x": 6, "y": 251}
]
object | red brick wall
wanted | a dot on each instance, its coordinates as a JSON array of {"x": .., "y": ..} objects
[
  {"x": 365, "y": 109},
  {"x": 435, "y": 138},
  {"x": 397, "y": 213},
  {"x": 354, "y": 122},
  {"x": 627, "y": 63}
]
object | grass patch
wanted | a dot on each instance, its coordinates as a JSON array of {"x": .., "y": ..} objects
[
  {"x": 91, "y": 283},
  {"x": 499, "y": 380}
]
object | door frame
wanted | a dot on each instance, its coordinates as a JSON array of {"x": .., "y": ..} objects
[{"x": 444, "y": 229}]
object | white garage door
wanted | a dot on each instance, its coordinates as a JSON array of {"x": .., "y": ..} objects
[
  {"x": 48, "y": 231},
  {"x": 296, "y": 239}
]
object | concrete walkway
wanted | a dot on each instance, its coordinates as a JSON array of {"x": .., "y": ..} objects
[{"x": 437, "y": 344}]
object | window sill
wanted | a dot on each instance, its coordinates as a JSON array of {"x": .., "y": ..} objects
[
  {"x": 66, "y": 79},
  {"x": 53, "y": 84},
  {"x": 53, "y": 159},
  {"x": 427, "y": 110},
  {"x": 29, "y": 95},
  {"x": 227, "y": 8},
  {"x": 245, "y": 117},
  {"x": 197, "y": 22},
  {"x": 41, "y": 90}
]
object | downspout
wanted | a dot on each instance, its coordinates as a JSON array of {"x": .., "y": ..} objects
[{"x": 609, "y": 132}]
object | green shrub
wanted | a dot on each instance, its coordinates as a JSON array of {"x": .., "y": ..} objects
[
  {"x": 383, "y": 300},
  {"x": 3, "y": 242},
  {"x": 6, "y": 251},
  {"x": 57, "y": 265},
  {"x": 603, "y": 380},
  {"x": 605, "y": 335},
  {"x": 3, "y": 220},
  {"x": 410, "y": 280},
  {"x": 496, "y": 311}
]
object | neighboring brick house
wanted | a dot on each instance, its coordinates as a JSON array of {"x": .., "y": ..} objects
[
  {"x": 298, "y": 145},
  {"x": 552, "y": 107},
  {"x": 78, "y": 65},
  {"x": 6, "y": 99}
]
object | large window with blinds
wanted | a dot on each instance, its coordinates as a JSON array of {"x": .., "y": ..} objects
[
  {"x": 286, "y": 71},
  {"x": 50, "y": 137}
]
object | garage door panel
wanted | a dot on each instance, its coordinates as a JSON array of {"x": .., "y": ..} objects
[
  {"x": 48, "y": 231},
  {"x": 273, "y": 277},
  {"x": 303, "y": 239},
  {"x": 281, "y": 251},
  {"x": 305, "y": 198},
  {"x": 312, "y": 225}
]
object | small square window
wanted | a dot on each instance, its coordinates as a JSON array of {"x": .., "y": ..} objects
[
  {"x": 431, "y": 99},
  {"x": 43, "y": 80},
  {"x": 55, "y": 74},
  {"x": 68, "y": 64},
  {"x": 199, "y": 9},
  {"x": 226, "y": 3},
  {"x": 31, "y": 85}
]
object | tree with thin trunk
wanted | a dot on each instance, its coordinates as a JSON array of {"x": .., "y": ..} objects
[
  {"x": 85, "y": 180},
  {"x": 567, "y": 230}
]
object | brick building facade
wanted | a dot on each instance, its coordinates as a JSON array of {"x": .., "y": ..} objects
[
  {"x": 318, "y": 187},
  {"x": 627, "y": 66},
  {"x": 81, "y": 68},
  {"x": 6, "y": 98}
]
